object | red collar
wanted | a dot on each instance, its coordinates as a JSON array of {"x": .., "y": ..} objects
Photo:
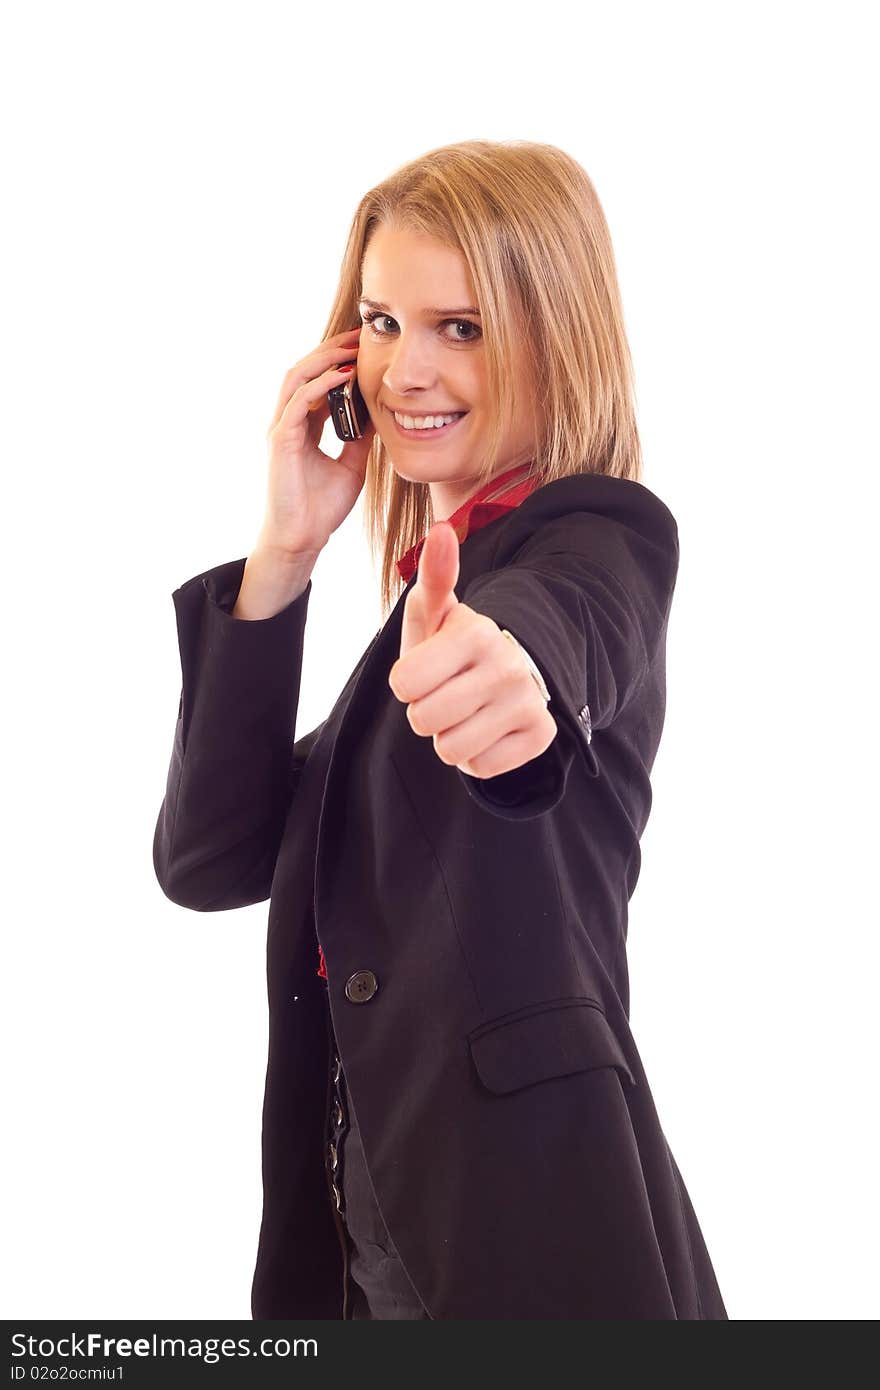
[{"x": 484, "y": 506}]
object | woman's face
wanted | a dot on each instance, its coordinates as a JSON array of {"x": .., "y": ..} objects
[{"x": 420, "y": 362}]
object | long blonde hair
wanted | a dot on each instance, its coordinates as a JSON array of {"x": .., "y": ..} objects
[{"x": 530, "y": 226}]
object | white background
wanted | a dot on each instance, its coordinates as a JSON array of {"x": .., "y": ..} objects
[{"x": 178, "y": 182}]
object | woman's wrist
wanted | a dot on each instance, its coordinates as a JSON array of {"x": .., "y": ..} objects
[{"x": 272, "y": 580}]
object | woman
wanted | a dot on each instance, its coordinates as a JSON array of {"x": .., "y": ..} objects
[{"x": 456, "y": 1121}]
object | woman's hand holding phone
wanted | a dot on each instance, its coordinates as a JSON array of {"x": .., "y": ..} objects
[{"x": 310, "y": 493}]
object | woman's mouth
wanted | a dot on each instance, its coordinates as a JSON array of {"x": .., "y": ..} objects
[{"x": 423, "y": 434}]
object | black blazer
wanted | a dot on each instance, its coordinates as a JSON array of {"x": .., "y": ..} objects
[{"x": 474, "y": 931}]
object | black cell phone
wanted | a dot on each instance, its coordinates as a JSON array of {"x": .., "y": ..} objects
[{"x": 348, "y": 409}]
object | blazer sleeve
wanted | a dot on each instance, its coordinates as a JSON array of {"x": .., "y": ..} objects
[
  {"x": 588, "y": 594},
  {"x": 234, "y": 763}
]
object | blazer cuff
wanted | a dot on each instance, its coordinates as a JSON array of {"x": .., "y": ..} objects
[
  {"x": 537, "y": 786},
  {"x": 254, "y": 663},
  {"x": 529, "y": 790}
]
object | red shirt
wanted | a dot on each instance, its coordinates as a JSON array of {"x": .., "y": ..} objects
[{"x": 499, "y": 495}]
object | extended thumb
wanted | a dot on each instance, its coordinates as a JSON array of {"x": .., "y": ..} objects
[{"x": 433, "y": 594}]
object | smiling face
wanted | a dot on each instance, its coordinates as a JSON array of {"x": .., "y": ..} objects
[{"x": 420, "y": 361}]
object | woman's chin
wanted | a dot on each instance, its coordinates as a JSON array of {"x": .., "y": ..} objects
[{"x": 426, "y": 475}]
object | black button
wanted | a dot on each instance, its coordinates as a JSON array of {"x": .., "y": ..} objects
[
  {"x": 338, "y": 1114},
  {"x": 337, "y": 1068},
  {"x": 361, "y": 986}
]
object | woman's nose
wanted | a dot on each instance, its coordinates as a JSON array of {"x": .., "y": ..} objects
[{"x": 409, "y": 364}]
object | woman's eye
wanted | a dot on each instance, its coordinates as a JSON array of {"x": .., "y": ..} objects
[
  {"x": 472, "y": 330},
  {"x": 371, "y": 319}
]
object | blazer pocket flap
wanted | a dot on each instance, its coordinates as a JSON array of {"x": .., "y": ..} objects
[{"x": 555, "y": 1040}]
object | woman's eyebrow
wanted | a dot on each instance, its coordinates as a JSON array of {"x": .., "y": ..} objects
[{"x": 431, "y": 313}]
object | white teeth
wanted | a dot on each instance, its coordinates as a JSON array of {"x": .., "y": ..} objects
[{"x": 424, "y": 422}]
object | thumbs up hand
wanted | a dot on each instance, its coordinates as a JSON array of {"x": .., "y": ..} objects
[{"x": 463, "y": 683}]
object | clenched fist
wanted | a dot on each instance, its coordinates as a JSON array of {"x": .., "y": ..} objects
[{"x": 463, "y": 683}]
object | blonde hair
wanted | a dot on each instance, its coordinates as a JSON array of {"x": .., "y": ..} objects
[{"x": 530, "y": 226}]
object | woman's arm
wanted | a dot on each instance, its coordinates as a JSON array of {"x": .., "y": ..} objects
[
  {"x": 234, "y": 764},
  {"x": 588, "y": 594}
]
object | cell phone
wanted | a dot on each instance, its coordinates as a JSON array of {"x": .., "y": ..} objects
[{"x": 348, "y": 409}]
